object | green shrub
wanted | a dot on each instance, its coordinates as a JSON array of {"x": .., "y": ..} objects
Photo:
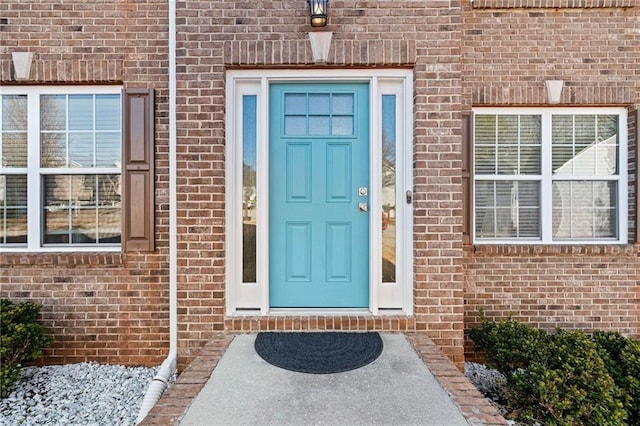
[
  {"x": 509, "y": 344},
  {"x": 22, "y": 339},
  {"x": 565, "y": 377},
  {"x": 631, "y": 361},
  {"x": 566, "y": 384},
  {"x": 622, "y": 358}
]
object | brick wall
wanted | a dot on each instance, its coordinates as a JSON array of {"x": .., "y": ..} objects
[
  {"x": 507, "y": 56},
  {"x": 104, "y": 307},
  {"x": 509, "y": 53},
  {"x": 587, "y": 288},
  {"x": 98, "y": 307}
]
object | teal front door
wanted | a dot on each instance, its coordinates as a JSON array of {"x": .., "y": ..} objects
[{"x": 319, "y": 195}]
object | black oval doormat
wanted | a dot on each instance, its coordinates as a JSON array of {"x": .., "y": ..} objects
[{"x": 319, "y": 352}]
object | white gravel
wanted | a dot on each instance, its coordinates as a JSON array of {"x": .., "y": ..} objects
[
  {"x": 77, "y": 394},
  {"x": 491, "y": 383}
]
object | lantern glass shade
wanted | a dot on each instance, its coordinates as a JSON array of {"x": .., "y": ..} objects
[{"x": 318, "y": 12}]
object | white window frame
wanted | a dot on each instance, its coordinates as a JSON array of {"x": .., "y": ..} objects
[
  {"x": 35, "y": 172},
  {"x": 384, "y": 297},
  {"x": 546, "y": 177}
]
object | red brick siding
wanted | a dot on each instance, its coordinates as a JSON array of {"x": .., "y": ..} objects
[
  {"x": 102, "y": 307},
  {"x": 106, "y": 307},
  {"x": 509, "y": 53},
  {"x": 588, "y": 288}
]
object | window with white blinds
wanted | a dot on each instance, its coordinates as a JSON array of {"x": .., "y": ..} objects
[{"x": 550, "y": 175}]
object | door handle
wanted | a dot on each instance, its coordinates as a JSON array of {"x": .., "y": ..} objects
[
  {"x": 363, "y": 207},
  {"x": 409, "y": 196}
]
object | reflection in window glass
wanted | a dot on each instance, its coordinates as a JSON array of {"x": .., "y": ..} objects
[
  {"x": 14, "y": 149},
  {"x": 53, "y": 149},
  {"x": 342, "y": 125},
  {"x": 53, "y": 112},
  {"x": 108, "y": 149},
  {"x": 80, "y": 149},
  {"x": 249, "y": 187},
  {"x": 13, "y": 209},
  {"x": 14, "y": 112},
  {"x": 13, "y": 131},
  {"x": 108, "y": 112},
  {"x": 78, "y": 130},
  {"x": 585, "y": 145},
  {"x": 583, "y": 209},
  {"x": 109, "y": 226},
  {"x": 109, "y": 209},
  {"x": 81, "y": 112},
  {"x": 389, "y": 188},
  {"x": 81, "y": 209}
]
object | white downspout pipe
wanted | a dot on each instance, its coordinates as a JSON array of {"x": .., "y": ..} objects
[{"x": 169, "y": 365}]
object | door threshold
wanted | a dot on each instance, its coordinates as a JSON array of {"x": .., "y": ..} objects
[
  {"x": 319, "y": 311},
  {"x": 315, "y": 311}
]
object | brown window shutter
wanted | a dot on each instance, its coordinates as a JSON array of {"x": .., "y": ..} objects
[
  {"x": 137, "y": 171},
  {"x": 467, "y": 176}
]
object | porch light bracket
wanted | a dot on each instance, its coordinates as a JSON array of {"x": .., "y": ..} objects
[
  {"x": 318, "y": 12},
  {"x": 22, "y": 64},
  {"x": 554, "y": 90}
]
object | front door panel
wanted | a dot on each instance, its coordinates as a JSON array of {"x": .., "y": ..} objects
[{"x": 318, "y": 202}]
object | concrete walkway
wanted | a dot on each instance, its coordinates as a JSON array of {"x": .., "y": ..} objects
[
  {"x": 412, "y": 383},
  {"x": 395, "y": 389}
]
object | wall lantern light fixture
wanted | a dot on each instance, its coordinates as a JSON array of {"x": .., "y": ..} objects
[{"x": 318, "y": 12}]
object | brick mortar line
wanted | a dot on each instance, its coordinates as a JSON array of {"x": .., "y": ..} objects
[
  {"x": 472, "y": 404},
  {"x": 175, "y": 402}
]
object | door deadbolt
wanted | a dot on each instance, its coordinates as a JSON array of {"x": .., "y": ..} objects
[{"x": 362, "y": 192}]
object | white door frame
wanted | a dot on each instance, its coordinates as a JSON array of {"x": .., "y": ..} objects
[{"x": 250, "y": 297}]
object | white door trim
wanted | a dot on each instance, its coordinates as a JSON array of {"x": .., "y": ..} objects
[{"x": 396, "y": 296}]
